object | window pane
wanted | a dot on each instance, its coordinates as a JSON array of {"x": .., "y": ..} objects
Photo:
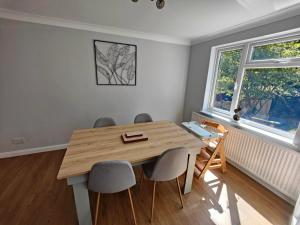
[
  {"x": 280, "y": 50},
  {"x": 227, "y": 71},
  {"x": 271, "y": 96}
]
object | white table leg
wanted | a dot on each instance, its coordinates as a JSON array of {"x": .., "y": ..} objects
[
  {"x": 190, "y": 173},
  {"x": 82, "y": 201}
]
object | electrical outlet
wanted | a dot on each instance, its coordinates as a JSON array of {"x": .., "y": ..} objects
[{"x": 18, "y": 140}]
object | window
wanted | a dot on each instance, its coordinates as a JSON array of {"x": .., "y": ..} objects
[
  {"x": 271, "y": 96},
  {"x": 229, "y": 63},
  {"x": 262, "y": 76}
]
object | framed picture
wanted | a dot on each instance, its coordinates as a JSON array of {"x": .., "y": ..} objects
[{"x": 115, "y": 63}]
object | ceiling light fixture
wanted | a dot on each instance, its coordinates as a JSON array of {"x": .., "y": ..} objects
[{"x": 159, "y": 3}]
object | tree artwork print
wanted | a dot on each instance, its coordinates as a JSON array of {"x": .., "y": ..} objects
[{"x": 115, "y": 63}]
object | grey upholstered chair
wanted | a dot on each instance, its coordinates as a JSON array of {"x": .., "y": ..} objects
[
  {"x": 104, "y": 122},
  {"x": 170, "y": 165},
  {"x": 143, "y": 118},
  {"x": 111, "y": 177}
]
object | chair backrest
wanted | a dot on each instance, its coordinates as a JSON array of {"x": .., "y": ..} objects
[
  {"x": 104, "y": 122},
  {"x": 111, "y": 177},
  {"x": 171, "y": 164},
  {"x": 143, "y": 118},
  {"x": 217, "y": 128}
]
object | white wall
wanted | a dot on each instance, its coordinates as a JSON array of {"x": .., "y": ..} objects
[{"x": 48, "y": 85}]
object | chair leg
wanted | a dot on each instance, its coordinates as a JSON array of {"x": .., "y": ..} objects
[
  {"x": 223, "y": 158},
  {"x": 207, "y": 165},
  {"x": 132, "y": 208},
  {"x": 179, "y": 191},
  {"x": 97, "y": 208},
  {"x": 153, "y": 198}
]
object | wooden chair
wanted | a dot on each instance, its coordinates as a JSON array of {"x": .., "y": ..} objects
[{"x": 213, "y": 156}]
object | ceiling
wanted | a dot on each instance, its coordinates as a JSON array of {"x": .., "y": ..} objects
[{"x": 185, "y": 20}]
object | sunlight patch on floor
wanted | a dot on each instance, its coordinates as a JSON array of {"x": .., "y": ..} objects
[
  {"x": 230, "y": 206},
  {"x": 247, "y": 212},
  {"x": 209, "y": 176}
]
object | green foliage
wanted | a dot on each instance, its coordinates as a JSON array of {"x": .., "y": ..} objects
[
  {"x": 265, "y": 83},
  {"x": 228, "y": 68},
  {"x": 277, "y": 51},
  {"x": 261, "y": 85},
  {"x": 227, "y": 72}
]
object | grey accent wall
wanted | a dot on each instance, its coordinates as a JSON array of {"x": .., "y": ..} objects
[
  {"x": 48, "y": 85},
  {"x": 200, "y": 55}
]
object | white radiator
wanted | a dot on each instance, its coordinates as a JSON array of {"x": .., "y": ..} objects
[{"x": 275, "y": 166}]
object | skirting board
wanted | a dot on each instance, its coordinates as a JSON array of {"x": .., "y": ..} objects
[{"x": 29, "y": 151}]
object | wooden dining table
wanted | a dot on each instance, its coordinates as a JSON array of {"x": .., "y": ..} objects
[{"x": 89, "y": 146}]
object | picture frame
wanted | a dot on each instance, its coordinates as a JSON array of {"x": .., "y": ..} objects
[{"x": 115, "y": 63}]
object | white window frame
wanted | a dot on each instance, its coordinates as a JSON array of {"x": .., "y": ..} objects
[
  {"x": 246, "y": 62},
  {"x": 218, "y": 54},
  {"x": 285, "y": 38}
]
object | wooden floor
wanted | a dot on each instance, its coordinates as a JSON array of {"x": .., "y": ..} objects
[{"x": 31, "y": 195}]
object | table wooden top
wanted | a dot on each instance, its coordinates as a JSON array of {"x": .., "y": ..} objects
[{"x": 88, "y": 146}]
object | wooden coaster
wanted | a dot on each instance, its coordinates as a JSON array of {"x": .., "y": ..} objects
[
  {"x": 134, "y": 137},
  {"x": 134, "y": 134}
]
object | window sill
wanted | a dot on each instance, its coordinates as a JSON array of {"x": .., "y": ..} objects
[{"x": 274, "y": 138}]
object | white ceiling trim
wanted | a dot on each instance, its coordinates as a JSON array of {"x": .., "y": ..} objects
[
  {"x": 53, "y": 21},
  {"x": 33, "y": 18},
  {"x": 272, "y": 17}
]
